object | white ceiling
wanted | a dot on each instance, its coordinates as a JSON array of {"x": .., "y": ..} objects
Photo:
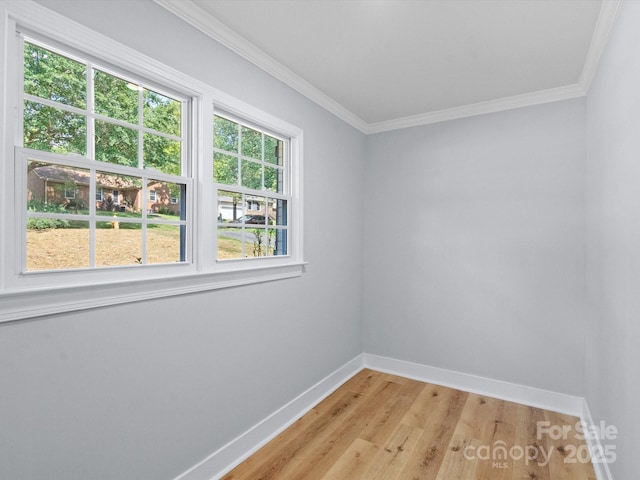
[{"x": 386, "y": 64}]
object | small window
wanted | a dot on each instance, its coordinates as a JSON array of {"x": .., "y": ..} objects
[
  {"x": 70, "y": 192},
  {"x": 251, "y": 175}
]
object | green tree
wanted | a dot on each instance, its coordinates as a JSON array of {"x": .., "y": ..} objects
[
  {"x": 50, "y": 76},
  {"x": 225, "y": 167},
  {"x": 256, "y": 173}
]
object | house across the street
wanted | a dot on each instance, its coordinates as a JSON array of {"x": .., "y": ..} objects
[{"x": 69, "y": 187}]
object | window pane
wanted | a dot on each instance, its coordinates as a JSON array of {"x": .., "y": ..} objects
[
  {"x": 160, "y": 199},
  {"x": 53, "y": 130},
  {"x": 273, "y": 150},
  {"x": 230, "y": 206},
  {"x": 230, "y": 241},
  {"x": 225, "y": 169},
  {"x": 119, "y": 195},
  {"x": 278, "y": 211},
  {"x": 251, "y": 143},
  {"x": 255, "y": 213},
  {"x": 116, "y": 144},
  {"x": 162, "y": 154},
  {"x": 164, "y": 244},
  {"x": 225, "y": 134},
  {"x": 115, "y": 97},
  {"x": 118, "y": 243},
  {"x": 56, "y": 189},
  {"x": 58, "y": 248},
  {"x": 260, "y": 243},
  {"x": 162, "y": 113},
  {"x": 251, "y": 175},
  {"x": 54, "y": 77},
  {"x": 277, "y": 241},
  {"x": 273, "y": 179}
]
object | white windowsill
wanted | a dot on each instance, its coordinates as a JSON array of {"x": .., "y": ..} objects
[{"x": 20, "y": 305}]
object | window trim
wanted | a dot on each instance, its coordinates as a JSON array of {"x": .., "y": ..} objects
[{"x": 21, "y": 297}]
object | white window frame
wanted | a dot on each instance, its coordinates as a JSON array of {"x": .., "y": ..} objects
[
  {"x": 251, "y": 196},
  {"x": 29, "y": 295}
]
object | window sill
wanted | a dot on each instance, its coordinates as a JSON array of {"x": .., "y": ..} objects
[{"x": 21, "y": 305}]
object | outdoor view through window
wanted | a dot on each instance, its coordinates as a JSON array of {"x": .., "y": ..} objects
[
  {"x": 103, "y": 164},
  {"x": 250, "y": 172}
]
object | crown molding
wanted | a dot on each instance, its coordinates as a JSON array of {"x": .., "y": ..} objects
[
  {"x": 214, "y": 28},
  {"x": 480, "y": 108},
  {"x": 604, "y": 26}
]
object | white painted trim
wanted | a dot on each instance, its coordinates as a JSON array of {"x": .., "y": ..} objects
[
  {"x": 535, "y": 397},
  {"x": 214, "y": 28},
  {"x": 36, "y": 303},
  {"x": 604, "y": 26},
  {"x": 236, "y": 451},
  {"x": 6, "y": 213},
  {"x": 601, "y": 469},
  {"x": 481, "y": 108}
]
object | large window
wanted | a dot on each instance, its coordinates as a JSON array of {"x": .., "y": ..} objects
[
  {"x": 91, "y": 133},
  {"x": 132, "y": 176}
]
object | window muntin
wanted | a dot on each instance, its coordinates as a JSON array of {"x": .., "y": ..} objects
[
  {"x": 252, "y": 189},
  {"x": 106, "y": 137}
]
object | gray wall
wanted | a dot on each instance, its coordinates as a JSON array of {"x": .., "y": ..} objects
[
  {"x": 145, "y": 391},
  {"x": 474, "y": 245},
  {"x": 462, "y": 244},
  {"x": 613, "y": 247}
]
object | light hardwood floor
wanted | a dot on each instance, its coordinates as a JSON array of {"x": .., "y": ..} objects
[{"x": 380, "y": 426}]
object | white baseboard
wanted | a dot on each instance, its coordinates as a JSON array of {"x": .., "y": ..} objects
[
  {"x": 535, "y": 397},
  {"x": 233, "y": 453},
  {"x": 236, "y": 451},
  {"x": 595, "y": 447}
]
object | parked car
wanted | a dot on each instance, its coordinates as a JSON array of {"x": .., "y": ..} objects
[{"x": 253, "y": 220}]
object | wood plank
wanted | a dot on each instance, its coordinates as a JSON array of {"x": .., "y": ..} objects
[
  {"x": 383, "y": 422},
  {"x": 436, "y": 411},
  {"x": 354, "y": 462},
  {"x": 497, "y": 435},
  {"x": 361, "y": 384},
  {"x": 570, "y": 459},
  {"x": 277, "y": 456},
  {"x": 458, "y": 462},
  {"x": 397, "y": 451},
  {"x": 328, "y": 447},
  {"x": 534, "y": 465}
]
